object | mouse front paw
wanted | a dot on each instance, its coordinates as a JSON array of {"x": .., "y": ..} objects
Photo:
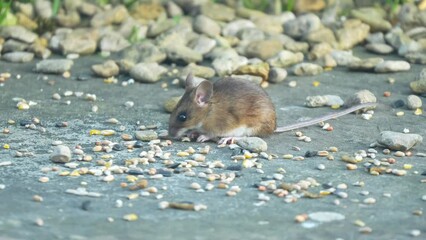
[
  {"x": 227, "y": 140},
  {"x": 203, "y": 138}
]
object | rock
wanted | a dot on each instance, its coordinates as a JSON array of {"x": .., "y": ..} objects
[
  {"x": 40, "y": 50},
  {"x": 12, "y": 45},
  {"x": 43, "y": 9},
  {"x": 417, "y": 57},
  {"x": 55, "y": 66},
  {"x": 295, "y": 47},
  {"x": 352, "y": 33},
  {"x": 146, "y": 135},
  {"x": 115, "y": 15},
  {"x": 125, "y": 65},
  {"x": 113, "y": 42},
  {"x": 368, "y": 64},
  {"x": 132, "y": 30},
  {"x": 60, "y": 154},
  {"x": 285, "y": 59},
  {"x": 18, "y": 57},
  {"x": 18, "y": 33},
  {"x": 171, "y": 103},
  {"x": 324, "y": 217},
  {"x": 277, "y": 75},
  {"x": 392, "y": 66},
  {"x": 325, "y": 100},
  {"x": 253, "y": 144},
  {"x": 374, "y": 17},
  {"x": 326, "y": 61},
  {"x": 344, "y": 58},
  {"x": 202, "y": 44},
  {"x": 198, "y": 71},
  {"x": 106, "y": 69},
  {"x": 70, "y": 19},
  {"x": 377, "y": 37},
  {"x": 411, "y": 46},
  {"x": 206, "y": 25},
  {"x": 144, "y": 52},
  {"x": 173, "y": 10},
  {"x": 26, "y": 22},
  {"x": 319, "y": 50},
  {"x": 260, "y": 69},
  {"x": 183, "y": 53},
  {"x": 88, "y": 9},
  {"x": 263, "y": 49},
  {"x": 246, "y": 77},
  {"x": 227, "y": 65},
  {"x": 81, "y": 46},
  {"x": 232, "y": 28},
  {"x": 147, "y": 72},
  {"x": 322, "y": 35},
  {"x": 160, "y": 27},
  {"x": 218, "y": 12},
  {"x": 396, "y": 37},
  {"x": 251, "y": 34},
  {"x": 302, "y": 6},
  {"x": 307, "y": 69},
  {"x": 379, "y": 48},
  {"x": 414, "y": 102},
  {"x": 147, "y": 11},
  {"x": 399, "y": 141},
  {"x": 363, "y": 96},
  {"x": 302, "y": 25},
  {"x": 269, "y": 24}
]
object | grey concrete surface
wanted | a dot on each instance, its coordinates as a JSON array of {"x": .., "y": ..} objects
[{"x": 226, "y": 217}]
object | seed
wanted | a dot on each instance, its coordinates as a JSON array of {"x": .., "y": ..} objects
[
  {"x": 107, "y": 132},
  {"x": 132, "y": 196},
  {"x": 415, "y": 232},
  {"x": 195, "y": 186},
  {"x": 43, "y": 179},
  {"x": 39, "y": 222},
  {"x": 365, "y": 230},
  {"x": 301, "y": 218},
  {"x": 298, "y": 158},
  {"x": 386, "y": 151},
  {"x": 292, "y": 84},
  {"x": 342, "y": 186},
  {"x": 182, "y": 154},
  {"x": 418, "y": 212},
  {"x": 387, "y": 94},
  {"x": 400, "y": 113},
  {"x": 399, "y": 172},
  {"x": 399, "y": 154},
  {"x": 369, "y": 201},
  {"x": 322, "y": 153},
  {"x": 130, "y": 217},
  {"x": 408, "y": 166},
  {"x": 359, "y": 223},
  {"x": 351, "y": 166},
  {"x": 37, "y": 198},
  {"x": 108, "y": 178},
  {"x": 418, "y": 112},
  {"x": 321, "y": 167},
  {"x": 287, "y": 156}
]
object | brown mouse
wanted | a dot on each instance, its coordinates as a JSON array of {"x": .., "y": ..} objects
[{"x": 231, "y": 108}]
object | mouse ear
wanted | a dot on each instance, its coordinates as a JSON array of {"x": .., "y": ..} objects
[
  {"x": 189, "y": 82},
  {"x": 203, "y": 93}
]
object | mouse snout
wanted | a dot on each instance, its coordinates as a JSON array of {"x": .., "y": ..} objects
[{"x": 173, "y": 131}]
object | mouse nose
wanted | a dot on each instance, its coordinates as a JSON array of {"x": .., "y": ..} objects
[{"x": 172, "y": 131}]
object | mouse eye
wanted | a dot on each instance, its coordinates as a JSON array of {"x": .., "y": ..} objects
[{"x": 182, "y": 117}]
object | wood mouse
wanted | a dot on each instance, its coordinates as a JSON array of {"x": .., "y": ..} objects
[{"x": 231, "y": 108}]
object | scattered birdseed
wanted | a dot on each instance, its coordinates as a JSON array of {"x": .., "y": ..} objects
[
  {"x": 37, "y": 198},
  {"x": 130, "y": 217},
  {"x": 43, "y": 179},
  {"x": 39, "y": 222},
  {"x": 369, "y": 201},
  {"x": 365, "y": 230},
  {"x": 415, "y": 232},
  {"x": 320, "y": 166}
]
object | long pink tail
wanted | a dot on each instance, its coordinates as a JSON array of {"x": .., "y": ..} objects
[{"x": 324, "y": 118}]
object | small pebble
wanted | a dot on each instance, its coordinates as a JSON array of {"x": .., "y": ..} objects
[
  {"x": 369, "y": 201},
  {"x": 321, "y": 167},
  {"x": 39, "y": 222},
  {"x": 37, "y": 198},
  {"x": 415, "y": 232},
  {"x": 43, "y": 179}
]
